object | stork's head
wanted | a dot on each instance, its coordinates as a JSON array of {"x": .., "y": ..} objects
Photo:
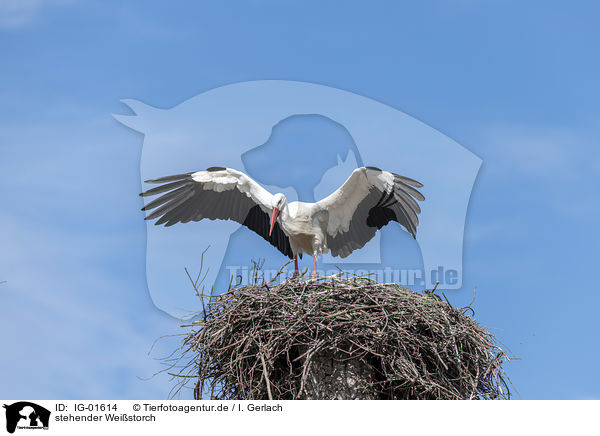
[{"x": 278, "y": 203}]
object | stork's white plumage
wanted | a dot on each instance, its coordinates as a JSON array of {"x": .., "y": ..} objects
[{"x": 340, "y": 223}]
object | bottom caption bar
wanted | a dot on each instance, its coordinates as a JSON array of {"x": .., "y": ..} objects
[{"x": 297, "y": 417}]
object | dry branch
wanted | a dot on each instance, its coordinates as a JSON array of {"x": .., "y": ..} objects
[{"x": 262, "y": 341}]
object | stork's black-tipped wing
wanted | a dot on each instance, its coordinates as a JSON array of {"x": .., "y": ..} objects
[
  {"x": 217, "y": 193},
  {"x": 366, "y": 202}
]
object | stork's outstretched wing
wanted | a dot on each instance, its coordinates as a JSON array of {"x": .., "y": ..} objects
[
  {"x": 366, "y": 202},
  {"x": 217, "y": 193}
]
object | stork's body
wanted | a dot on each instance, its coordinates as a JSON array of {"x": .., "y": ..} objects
[
  {"x": 306, "y": 233},
  {"x": 340, "y": 223}
]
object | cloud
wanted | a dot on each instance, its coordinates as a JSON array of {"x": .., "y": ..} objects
[
  {"x": 556, "y": 166},
  {"x": 542, "y": 152},
  {"x": 483, "y": 231},
  {"x": 20, "y": 13},
  {"x": 92, "y": 328},
  {"x": 75, "y": 310}
]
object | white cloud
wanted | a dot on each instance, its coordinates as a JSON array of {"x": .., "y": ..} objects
[
  {"x": 84, "y": 331},
  {"x": 543, "y": 152},
  {"x": 483, "y": 231},
  {"x": 17, "y": 13},
  {"x": 20, "y": 13},
  {"x": 560, "y": 167},
  {"x": 74, "y": 310}
]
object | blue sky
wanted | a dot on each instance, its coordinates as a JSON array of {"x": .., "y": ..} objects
[{"x": 514, "y": 83}]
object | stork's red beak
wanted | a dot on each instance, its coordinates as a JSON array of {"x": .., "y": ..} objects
[{"x": 273, "y": 219}]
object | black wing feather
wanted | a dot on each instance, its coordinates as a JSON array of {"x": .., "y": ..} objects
[
  {"x": 376, "y": 210},
  {"x": 185, "y": 200}
]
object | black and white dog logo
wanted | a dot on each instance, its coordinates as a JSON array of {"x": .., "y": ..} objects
[{"x": 26, "y": 415}]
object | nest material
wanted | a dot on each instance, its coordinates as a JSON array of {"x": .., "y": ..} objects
[{"x": 340, "y": 338}]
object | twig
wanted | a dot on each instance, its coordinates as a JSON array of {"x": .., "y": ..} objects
[{"x": 264, "y": 365}]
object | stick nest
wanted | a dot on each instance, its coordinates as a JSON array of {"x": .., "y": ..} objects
[{"x": 259, "y": 342}]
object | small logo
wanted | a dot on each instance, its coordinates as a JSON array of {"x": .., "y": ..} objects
[{"x": 26, "y": 415}]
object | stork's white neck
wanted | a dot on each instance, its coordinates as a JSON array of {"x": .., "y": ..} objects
[{"x": 284, "y": 213}]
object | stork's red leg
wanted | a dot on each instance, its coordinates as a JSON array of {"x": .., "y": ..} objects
[
  {"x": 315, "y": 270},
  {"x": 296, "y": 272}
]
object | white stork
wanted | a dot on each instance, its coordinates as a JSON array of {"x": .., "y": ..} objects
[{"x": 340, "y": 223}]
